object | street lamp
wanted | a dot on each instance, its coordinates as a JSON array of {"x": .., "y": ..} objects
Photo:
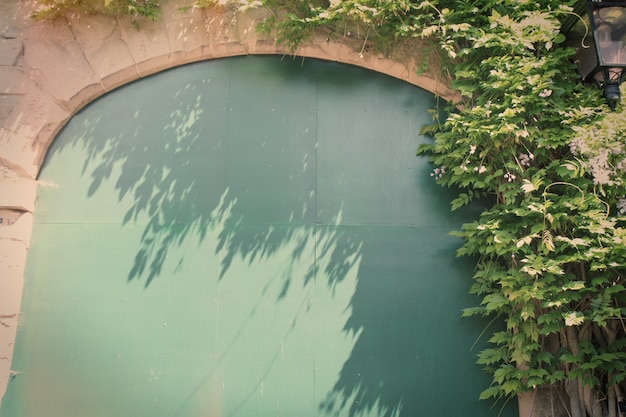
[{"x": 601, "y": 57}]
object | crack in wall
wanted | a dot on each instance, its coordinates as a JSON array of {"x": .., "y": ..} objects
[
  {"x": 8, "y": 217},
  {"x": 6, "y": 316}
]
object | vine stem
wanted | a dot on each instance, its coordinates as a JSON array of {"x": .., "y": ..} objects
[{"x": 365, "y": 40}]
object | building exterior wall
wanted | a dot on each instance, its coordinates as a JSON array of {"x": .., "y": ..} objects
[
  {"x": 248, "y": 236},
  {"x": 49, "y": 70}
]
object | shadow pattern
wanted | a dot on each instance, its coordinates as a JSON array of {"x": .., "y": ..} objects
[{"x": 180, "y": 198}]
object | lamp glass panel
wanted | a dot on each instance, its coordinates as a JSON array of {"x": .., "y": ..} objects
[
  {"x": 610, "y": 35},
  {"x": 579, "y": 38}
]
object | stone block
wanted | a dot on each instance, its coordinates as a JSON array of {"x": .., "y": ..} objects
[
  {"x": 265, "y": 47},
  {"x": 10, "y": 50},
  {"x": 147, "y": 43},
  {"x": 110, "y": 58},
  {"x": 85, "y": 96},
  {"x": 35, "y": 110},
  {"x": 58, "y": 68},
  {"x": 201, "y": 53},
  {"x": 187, "y": 33},
  {"x": 17, "y": 154},
  {"x": 91, "y": 32},
  {"x": 12, "y": 264},
  {"x": 396, "y": 69},
  {"x": 119, "y": 78},
  {"x": 16, "y": 225},
  {"x": 56, "y": 30},
  {"x": 8, "y": 331},
  {"x": 11, "y": 32},
  {"x": 157, "y": 64},
  {"x": 99, "y": 39},
  {"x": 14, "y": 81},
  {"x": 17, "y": 194},
  {"x": 221, "y": 50},
  {"x": 7, "y": 106}
]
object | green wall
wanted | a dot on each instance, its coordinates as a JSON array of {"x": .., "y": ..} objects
[{"x": 246, "y": 237}]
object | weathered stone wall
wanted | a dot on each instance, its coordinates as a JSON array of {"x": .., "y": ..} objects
[{"x": 51, "y": 69}]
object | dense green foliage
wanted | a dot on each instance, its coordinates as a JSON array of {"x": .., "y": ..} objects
[
  {"x": 551, "y": 248},
  {"x": 50, "y": 9}
]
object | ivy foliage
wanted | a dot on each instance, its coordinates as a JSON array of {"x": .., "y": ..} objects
[
  {"x": 50, "y": 9},
  {"x": 551, "y": 249}
]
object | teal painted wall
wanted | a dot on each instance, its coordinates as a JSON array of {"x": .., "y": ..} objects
[{"x": 246, "y": 237}]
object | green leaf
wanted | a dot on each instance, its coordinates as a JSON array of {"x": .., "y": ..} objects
[
  {"x": 573, "y": 286},
  {"x": 491, "y": 392},
  {"x": 494, "y": 301}
]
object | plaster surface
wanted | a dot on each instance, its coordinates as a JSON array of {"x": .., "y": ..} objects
[{"x": 49, "y": 70}]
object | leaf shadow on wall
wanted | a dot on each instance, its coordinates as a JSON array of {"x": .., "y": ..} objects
[{"x": 179, "y": 187}]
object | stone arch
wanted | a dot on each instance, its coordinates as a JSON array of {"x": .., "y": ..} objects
[
  {"x": 336, "y": 99},
  {"x": 69, "y": 62},
  {"x": 50, "y": 70}
]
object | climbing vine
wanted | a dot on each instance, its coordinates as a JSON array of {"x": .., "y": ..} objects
[
  {"x": 544, "y": 149},
  {"x": 50, "y": 9}
]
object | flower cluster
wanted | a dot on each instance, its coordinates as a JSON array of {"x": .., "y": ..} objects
[
  {"x": 578, "y": 146},
  {"x": 509, "y": 177},
  {"x": 438, "y": 172},
  {"x": 525, "y": 159},
  {"x": 600, "y": 168},
  {"x": 545, "y": 93},
  {"x": 621, "y": 206},
  {"x": 601, "y": 149}
]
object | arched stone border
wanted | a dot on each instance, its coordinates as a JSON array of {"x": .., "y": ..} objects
[{"x": 49, "y": 70}]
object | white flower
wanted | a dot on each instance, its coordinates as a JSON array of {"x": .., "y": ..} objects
[
  {"x": 509, "y": 177},
  {"x": 574, "y": 318},
  {"x": 621, "y": 206},
  {"x": 545, "y": 93},
  {"x": 438, "y": 172},
  {"x": 524, "y": 160},
  {"x": 600, "y": 167}
]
